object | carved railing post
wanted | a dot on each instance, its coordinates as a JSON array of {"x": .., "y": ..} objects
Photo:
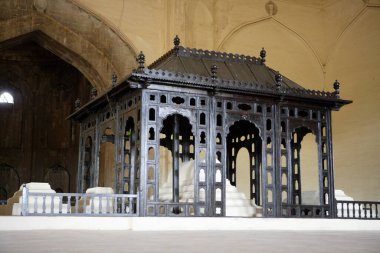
[{"x": 25, "y": 200}]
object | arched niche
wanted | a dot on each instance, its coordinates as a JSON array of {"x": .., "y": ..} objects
[
  {"x": 58, "y": 177},
  {"x": 9, "y": 179}
]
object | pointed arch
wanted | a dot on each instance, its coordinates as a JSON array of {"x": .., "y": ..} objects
[
  {"x": 89, "y": 43},
  {"x": 287, "y": 49}
]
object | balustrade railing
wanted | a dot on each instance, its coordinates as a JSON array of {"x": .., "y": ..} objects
[
  {"x": 3, "y": 202},
  {"x": 357, "y": 209},
  {"x": 170, "y": 209},
  {"x": 78, "y": 204},
  {"x": 305, "y": 211}
]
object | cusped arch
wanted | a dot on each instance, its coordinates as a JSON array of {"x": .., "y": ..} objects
[
  {"x": 183, "y": 116},
  {"x": 74, "y": 34},
  {"x": 235, "y": 123},
  {"x": 305, "y": 129}
]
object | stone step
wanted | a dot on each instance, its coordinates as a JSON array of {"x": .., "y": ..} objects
[{"x": 240, "y": 212}]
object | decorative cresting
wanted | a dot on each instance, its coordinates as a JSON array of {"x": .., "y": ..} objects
[
  {"x": 179, "y": 124},
  {"x": 256, "y": 78}
]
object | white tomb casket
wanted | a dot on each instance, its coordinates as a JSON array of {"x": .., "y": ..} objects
[
  {"x": 237, "y": 204},
  {"x": 350, "y": 207},
  {"x": 97, "y": 204},
  {"x": 37, "y": 204}
]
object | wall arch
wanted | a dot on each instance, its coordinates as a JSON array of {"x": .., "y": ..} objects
[
  {"x": 355, "y": 62},
  {"x": 72, "y": 33},
  {"x": 287, "y": 51},
  {"x": 199, "y": 23},
  {"x": 9, "y": 179},
  {"x": 58, "y": 177}
]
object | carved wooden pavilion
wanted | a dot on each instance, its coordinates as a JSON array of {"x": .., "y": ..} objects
[{"x": 205, "y": 106}]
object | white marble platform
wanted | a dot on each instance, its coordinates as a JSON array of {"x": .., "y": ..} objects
[{"x": 19, "y": 223}]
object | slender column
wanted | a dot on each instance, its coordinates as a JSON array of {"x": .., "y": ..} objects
[
  {"x": 276, "y": 160},
  {"x": 299, "y": 168},
  {"x": 95, "y": 176},
  {"x": 330, "y": 166},
  {"x": 132, "y": 161},
  {"x": 80, "y": 160},
  {"x": 175, "y": 159},
  {"x": 186, "y": 147},
  {"x": 210, "y": 158},
  {"x": 118, "y": 145},
  {"x": 257, "y": 155}
]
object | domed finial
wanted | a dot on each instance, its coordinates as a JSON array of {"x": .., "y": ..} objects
[
  {"x": 177, "y": 41},
  {"x": 114, "y": 79},
  {"x": 141, "y": 61},
  {"x": 93, "y": 92},
  {"x": 214, "y": 71},
  {"x": 278, "y": 78},
  {"x": 77, "y": 104},
  {"x": 337, "y": 88},
  {"x": 263, "y": 53}
]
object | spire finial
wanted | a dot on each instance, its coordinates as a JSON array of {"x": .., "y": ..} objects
[
  {"x": 278, "y": 78},
  {"x": 93, "y": 92},
  {"x": 214, "y": 71},
  {"x": 177, "y": 42},
  {"x": 263, "y": 54},
  {"x": 114, "y": 79},
  {"x": 141, "y": 61},
  {"x": 77, "y": 104},
  {"x": 337, "y": 88}
]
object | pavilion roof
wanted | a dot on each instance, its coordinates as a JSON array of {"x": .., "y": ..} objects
[
  {"x": 230, "y": 68},
  {"x": 216, "y": 71},
  {"x": 203, "y": 69}
]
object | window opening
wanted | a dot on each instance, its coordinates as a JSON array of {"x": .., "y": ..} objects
[{"x": 6, "y": 98}]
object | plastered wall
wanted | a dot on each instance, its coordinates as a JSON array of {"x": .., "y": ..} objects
[{"x": 312, "y": 42}]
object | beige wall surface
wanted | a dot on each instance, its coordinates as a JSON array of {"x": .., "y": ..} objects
[{"x": 312, "y": 42}]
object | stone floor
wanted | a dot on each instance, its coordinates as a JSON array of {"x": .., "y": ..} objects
[{"x": 189, "y": 241}]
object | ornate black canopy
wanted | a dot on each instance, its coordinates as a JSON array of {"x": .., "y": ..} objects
[{"x": 203, "y": 107}]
